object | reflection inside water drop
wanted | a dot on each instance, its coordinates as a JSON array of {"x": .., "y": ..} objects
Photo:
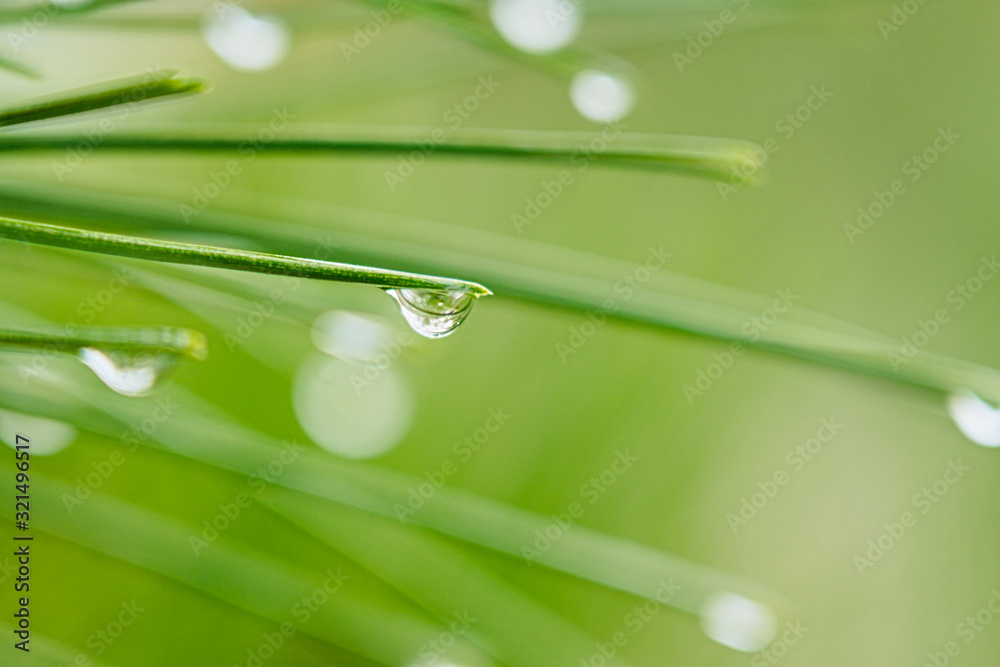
[
  {"x": 433, "y": 313},
  {"x": 738, "y": 622},
  {"x": 128, "y": 373},
  {"x": 975, "y": 418}
]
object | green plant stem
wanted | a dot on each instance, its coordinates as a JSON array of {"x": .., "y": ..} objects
[
  {"x": 73, "y": 338},
  {"x": 588, "y": 554},
  {"x": 223, "y": 258},
  {"x": 540, "y": 273},
  {"x": 392, "y": 552},
  {"x": 128, "y": 90},
  {"x": 230, "y": 571},
  {"x": 705, "y": 156}
]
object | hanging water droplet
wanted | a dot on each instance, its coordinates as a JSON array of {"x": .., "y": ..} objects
[
  {"x": 128, "y": 373},
  {"x": 601, "y": 97},
  {"x": 433, "y": 313},
  {"x": 975, "y": 418},
  {"x": 738, "y": 622},
  {"x": 244, "y": 41},
  {"x": 536, "y": 26}
]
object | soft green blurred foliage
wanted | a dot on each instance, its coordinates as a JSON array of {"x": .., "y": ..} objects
[{"x": 622, "y": 389}]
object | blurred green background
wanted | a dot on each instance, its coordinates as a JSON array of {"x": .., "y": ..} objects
[{"x": 623, "y": 389}]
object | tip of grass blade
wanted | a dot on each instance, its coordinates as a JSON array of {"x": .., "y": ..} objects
[
  {"x": 738, "y": 160},
  {"x": 116, "y": 92},
  {"x": 751, "y": 163},
  {"x": 193, "y": 343},
  {"x": 478, "y": 290}
]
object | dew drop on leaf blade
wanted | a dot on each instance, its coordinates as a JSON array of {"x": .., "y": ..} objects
[
  {"x": 128, "y": 373},
  {"x": 433, "y": 313}
]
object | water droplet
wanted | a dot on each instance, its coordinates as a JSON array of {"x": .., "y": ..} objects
[
  {"x": 601, "y": 97},
  {"x": 974, "y": 417},
  {"x": 433, "y": 313},
  {"x": 128, "y": 373},
  {"x": 353, "y": 412},
  {"x": 48, "y": 436},
  {"x": 536, "y": 26},
  {"x": 244, "y": 41},
  {"x": 353, "y": 337},
  {"x": 738, "y": 622}
]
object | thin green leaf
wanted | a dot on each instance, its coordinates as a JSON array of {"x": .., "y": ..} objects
[
  {"x": 112, "y": 93},
  {"x": 208, "y": 435},
  {"x": 541, "y": 273},
  {"x": 135, "y": 339},
  {"x": 517, "y": 628},
  {"x": 242, "y": 576},
  {"x": 223, "y": 258},
  {"x": 712, "y": 157}
]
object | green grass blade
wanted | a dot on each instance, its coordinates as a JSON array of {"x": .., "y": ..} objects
[
  {"x": 712, "y": 157},
  {"x": 516, "y": 628},
  {"x": 129, "y": 90},
  {"x": 212, "y": 437},
  {"x": 540, "y": 273},
  {"x": 72, "y": 339},
  {"x": 235, "y": 573},
  {"x": 223, "y": 258}
]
